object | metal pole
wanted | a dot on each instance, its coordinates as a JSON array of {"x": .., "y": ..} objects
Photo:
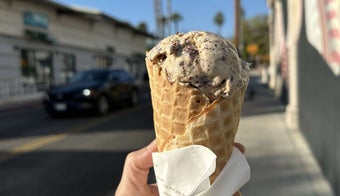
[
  {"x": 237, "y": 23},
  {"x": 169, "y": 10}
]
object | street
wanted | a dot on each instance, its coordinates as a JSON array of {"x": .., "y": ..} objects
[
  {"x": 84, "y": 154},
  {"x": 72, "y": 155}
]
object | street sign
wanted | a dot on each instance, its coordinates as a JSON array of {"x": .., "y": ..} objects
[{"x": 252, "y": 49}]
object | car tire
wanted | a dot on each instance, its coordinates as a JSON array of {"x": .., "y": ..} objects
[
  {"x": 134, "y": 98},
  {"x": 103, "y": 105}
]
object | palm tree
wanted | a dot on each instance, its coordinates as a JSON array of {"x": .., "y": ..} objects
[
  {"x": 219, "y": 20},
  {"x": 175, "y": 18}
]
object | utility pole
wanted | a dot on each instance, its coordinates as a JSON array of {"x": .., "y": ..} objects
[
  {"x": 169, "y": 10},
  {"x": 237, "y": 27},
  {"x": 157, "y": 5}
]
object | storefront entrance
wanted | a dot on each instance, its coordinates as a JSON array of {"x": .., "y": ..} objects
[{"x": 37, "y": 68}]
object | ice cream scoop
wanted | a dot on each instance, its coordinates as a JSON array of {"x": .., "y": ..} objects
[{"x": 202, "y": 60}]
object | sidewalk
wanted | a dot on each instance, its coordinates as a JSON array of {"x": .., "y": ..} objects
[
  {"x": 22, "y": 100},
  {"x": 280, "y": 159}
]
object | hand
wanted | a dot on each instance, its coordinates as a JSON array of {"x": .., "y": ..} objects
[
  {"x": 135, "y": 174},
  {"x": 136, "y": 170}
]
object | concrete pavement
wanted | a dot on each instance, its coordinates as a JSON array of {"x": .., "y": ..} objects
[
  {"x": 20, "y": 101},
  {"x": 280, "y": 159}
]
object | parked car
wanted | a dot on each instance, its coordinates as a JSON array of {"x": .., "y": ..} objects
[{"x": 96, "y": 90}]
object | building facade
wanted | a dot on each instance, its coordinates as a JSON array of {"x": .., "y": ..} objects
[
  {"x": 42, "y": 43},
  {"x": 305, "y": 55}
]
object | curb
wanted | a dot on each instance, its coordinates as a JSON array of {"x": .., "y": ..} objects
[{"x": 19, "y": 100}]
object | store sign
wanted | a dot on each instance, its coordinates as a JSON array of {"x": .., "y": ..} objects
[
  {"x": 38, "y": 36},
  {"x": 323, "y": 30},
  {"x": 35, "y": 19}
]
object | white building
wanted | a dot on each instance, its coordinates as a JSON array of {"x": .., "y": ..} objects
[
  {"x": 305, "y": 63},
  {"x": 43, "y": 42}
]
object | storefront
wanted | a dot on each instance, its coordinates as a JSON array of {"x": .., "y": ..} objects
[
  {"x": 36, "y": 68},
  {"x": 45, "y": 43}
]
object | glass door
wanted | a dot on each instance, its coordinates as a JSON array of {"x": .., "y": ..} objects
[{"x": 36, "y": 68}]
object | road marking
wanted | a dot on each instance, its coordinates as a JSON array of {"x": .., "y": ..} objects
[
  {"x": 46, "y": 140},
  {"x": 31, "y": 146},
  {"x": 38, "y": 143}
]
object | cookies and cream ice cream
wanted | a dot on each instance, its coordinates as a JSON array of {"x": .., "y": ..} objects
[
  {"x": 202, "y": 60},
  {"x": 197, "y": 86}
]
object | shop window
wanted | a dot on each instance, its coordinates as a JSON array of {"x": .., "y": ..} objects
[
  {"x": 104, "y": 61},
  {"x": 36, "y": 68},
  {"x": 68, "y": 67}
]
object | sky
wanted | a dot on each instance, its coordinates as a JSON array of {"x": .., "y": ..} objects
[{"x": 196, "y": 14}]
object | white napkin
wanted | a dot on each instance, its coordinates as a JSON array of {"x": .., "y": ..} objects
[{"x": 185, "y": 171}]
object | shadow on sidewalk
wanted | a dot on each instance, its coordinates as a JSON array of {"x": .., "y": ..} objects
[{"x": 262, "y": 102}]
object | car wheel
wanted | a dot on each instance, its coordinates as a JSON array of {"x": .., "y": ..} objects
[
  {"x": 103, "y": 105},
  {"x": 134, "y": 99}
]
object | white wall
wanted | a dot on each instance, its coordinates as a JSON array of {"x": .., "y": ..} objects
[
  {"x": 9, "y": 61},
  {"x": 314, "y": 91},
  {"x": 319, "y": 108}
]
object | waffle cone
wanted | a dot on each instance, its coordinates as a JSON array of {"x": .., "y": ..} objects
[{"x": 184, "y": 116}]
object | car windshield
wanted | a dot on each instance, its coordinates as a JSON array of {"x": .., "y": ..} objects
[{"x": 96, "y": 75}]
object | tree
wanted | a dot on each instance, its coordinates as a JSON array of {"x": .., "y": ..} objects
[
  {"x": 175, "y": 18},
  {"x": 142, "y": 26},
  {"x": 219, "y": 20},
  {"x": 256, "y": 31}
]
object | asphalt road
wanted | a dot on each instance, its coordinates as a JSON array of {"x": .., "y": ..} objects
[{"x": 74, "y": 155}]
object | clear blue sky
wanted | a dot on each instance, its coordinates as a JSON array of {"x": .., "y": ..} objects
[{"x": 197, "y": 14}]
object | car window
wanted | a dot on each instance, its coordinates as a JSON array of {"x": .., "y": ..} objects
[
  {"x": 114, "y": 76},
  {"x": 94, "y": 75},
  {"x": 125, "y": 76}
]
